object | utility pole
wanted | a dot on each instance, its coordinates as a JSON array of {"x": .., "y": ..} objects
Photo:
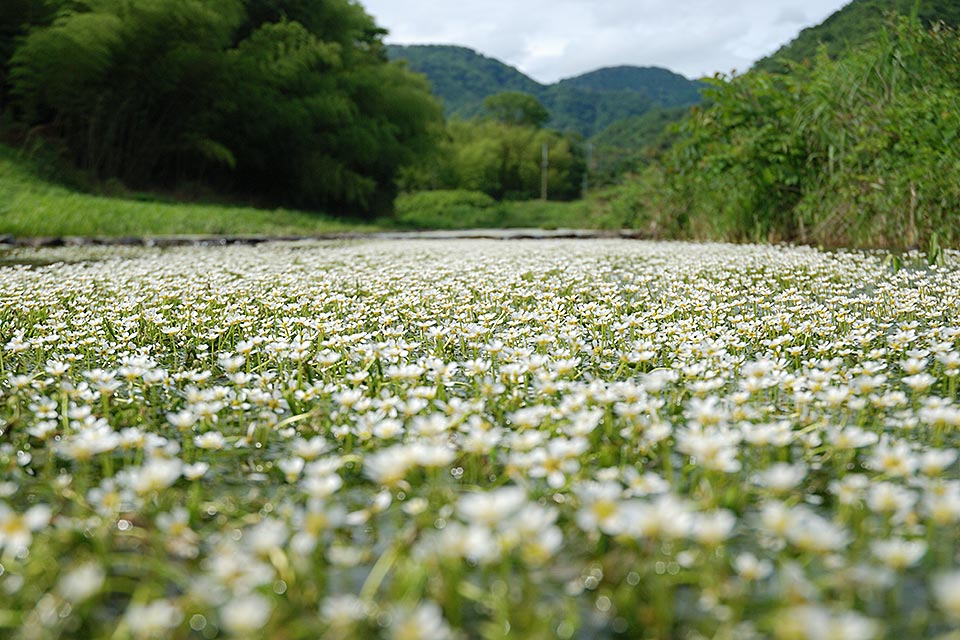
[
  {"x": 586, "y": 170},
  {"x": 544, "y": 170}
]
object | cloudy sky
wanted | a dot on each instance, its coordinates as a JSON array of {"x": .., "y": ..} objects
[{"x": 553, "y": 39}]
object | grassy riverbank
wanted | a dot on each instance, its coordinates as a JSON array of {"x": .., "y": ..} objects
[{"x": 37, "y": 201}]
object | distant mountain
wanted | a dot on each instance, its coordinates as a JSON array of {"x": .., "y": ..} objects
[
  {"x": 588, "y": 104},
  {"x": 664, "y": 87},
  {"x": 461, "y": 77},
  {"x": 854, "y": 25}
]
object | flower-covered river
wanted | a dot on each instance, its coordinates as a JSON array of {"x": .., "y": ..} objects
[{"x": 478, "y": 439}]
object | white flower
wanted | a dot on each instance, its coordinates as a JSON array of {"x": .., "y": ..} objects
[
  {"x": 155, "y": 475},
  {"x": 182, "y": 420},
  {"x": 291, "y": 468},
  {"x": 474, "y": 542},
  {"x": 342, "y": 611},
  {"x": 894, "y": 459},
  {"x": 237, "y": 569},
  {"x": 850, "y": 488},
  {"x": 17, "y": 529},
  {"x": 81, "y": 582},
  {"x": 667, "y": 517},
  {"x": 781, "y": 477},
  {"x": 89, "y": 441},
  {"x": 933, "y": 462},
  {"x": 639, "y": 485},
  {"x": 946, "y": 590},
  {"x": 813, "y": 533},
  {"x": 557, "y": 460},
  {"x": 425, "y": 622},
  {"x": 310, "y": 449},
  {"x": 245, "y": 615},
  {"x": 750, "y": 568},
  {"x": 210, "y": 440},
  {"x": 601, "y": 508},
  {"x": 431, "y": 455},
  {"x": 890, "y": 498},
  {"x": 898, "y": 553},
  {"x": 196, "y": 470},
  {"x": 491, "y": 508},
  {"x": 388, "y": 466},
  {"x": 265, "y": 536},
  {"x": 153, "y": 619},
  {"x": 814, "y": 622},
  {"x": 712, "y": 528}
]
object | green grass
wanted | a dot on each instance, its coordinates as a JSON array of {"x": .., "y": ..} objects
[
  {"x": 35, "y": 205},
  {"x": 32, "y": 206},
  {"x": 475, "y": 210},
  {"x": 550, "y": 215}
]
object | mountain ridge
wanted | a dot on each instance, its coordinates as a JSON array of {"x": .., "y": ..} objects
[{"x": 587, "y": 103}]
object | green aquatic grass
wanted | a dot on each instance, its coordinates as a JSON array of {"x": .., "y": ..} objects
[{"x": 32, "y": 206}]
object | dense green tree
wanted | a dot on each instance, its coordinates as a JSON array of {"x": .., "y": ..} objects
[
  {"x": 128, "y": 85},
  {"x": 502, "y": 160},
  {"x": 16, "y": 18},
  {"x": 290, "y": 101},
  {"x": 315, "y": 126},
  {"x": 631, "y": 143},
  {"x": 516, "y": 108}
]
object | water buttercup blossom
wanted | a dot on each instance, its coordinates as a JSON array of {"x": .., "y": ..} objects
[{"x": 478, "y": 438}]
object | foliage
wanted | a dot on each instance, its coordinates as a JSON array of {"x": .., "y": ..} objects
[
  {"x": 289, "y": 101},
  {"x": 516, "y": 109},
  {"x": 476, "y": 210},
  {"x": 502, "y": 160},
  {"x": 127, "y": 86},
  {"x": 858, "y": 150},
  {"x": 855, "y": 25},
  {"x": 586, "y": 111},
  {"x": 550, "y": 214},
  {"x": 456, "y": 209},
  {"x": 628, "y": 144},
  {"x": 16, "y": 18}
]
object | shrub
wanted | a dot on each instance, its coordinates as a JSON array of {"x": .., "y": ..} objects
[{"x": 448, "y": 209}]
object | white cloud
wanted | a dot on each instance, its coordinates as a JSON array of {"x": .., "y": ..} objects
[{"x": 553, "y": 39}]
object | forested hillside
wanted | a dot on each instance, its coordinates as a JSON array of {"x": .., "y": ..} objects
[
  {"x": 664, "y": 87},
  {"x": 586, "y": 104},
  {"x": 854, "y": 25},
  {"x": 461, "y": 78}
]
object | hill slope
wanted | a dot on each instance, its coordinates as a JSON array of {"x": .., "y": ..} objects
[
  {"x": 589, "y": 103},
  {"x": 854, "y": 25},
  {"x": 664, "y": 87},
  {"x": 461, "y": 77}
]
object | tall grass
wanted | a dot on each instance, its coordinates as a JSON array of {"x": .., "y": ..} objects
[
  {"x": 859, "y": 151},
  {"x": 33, "y": 205}
]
